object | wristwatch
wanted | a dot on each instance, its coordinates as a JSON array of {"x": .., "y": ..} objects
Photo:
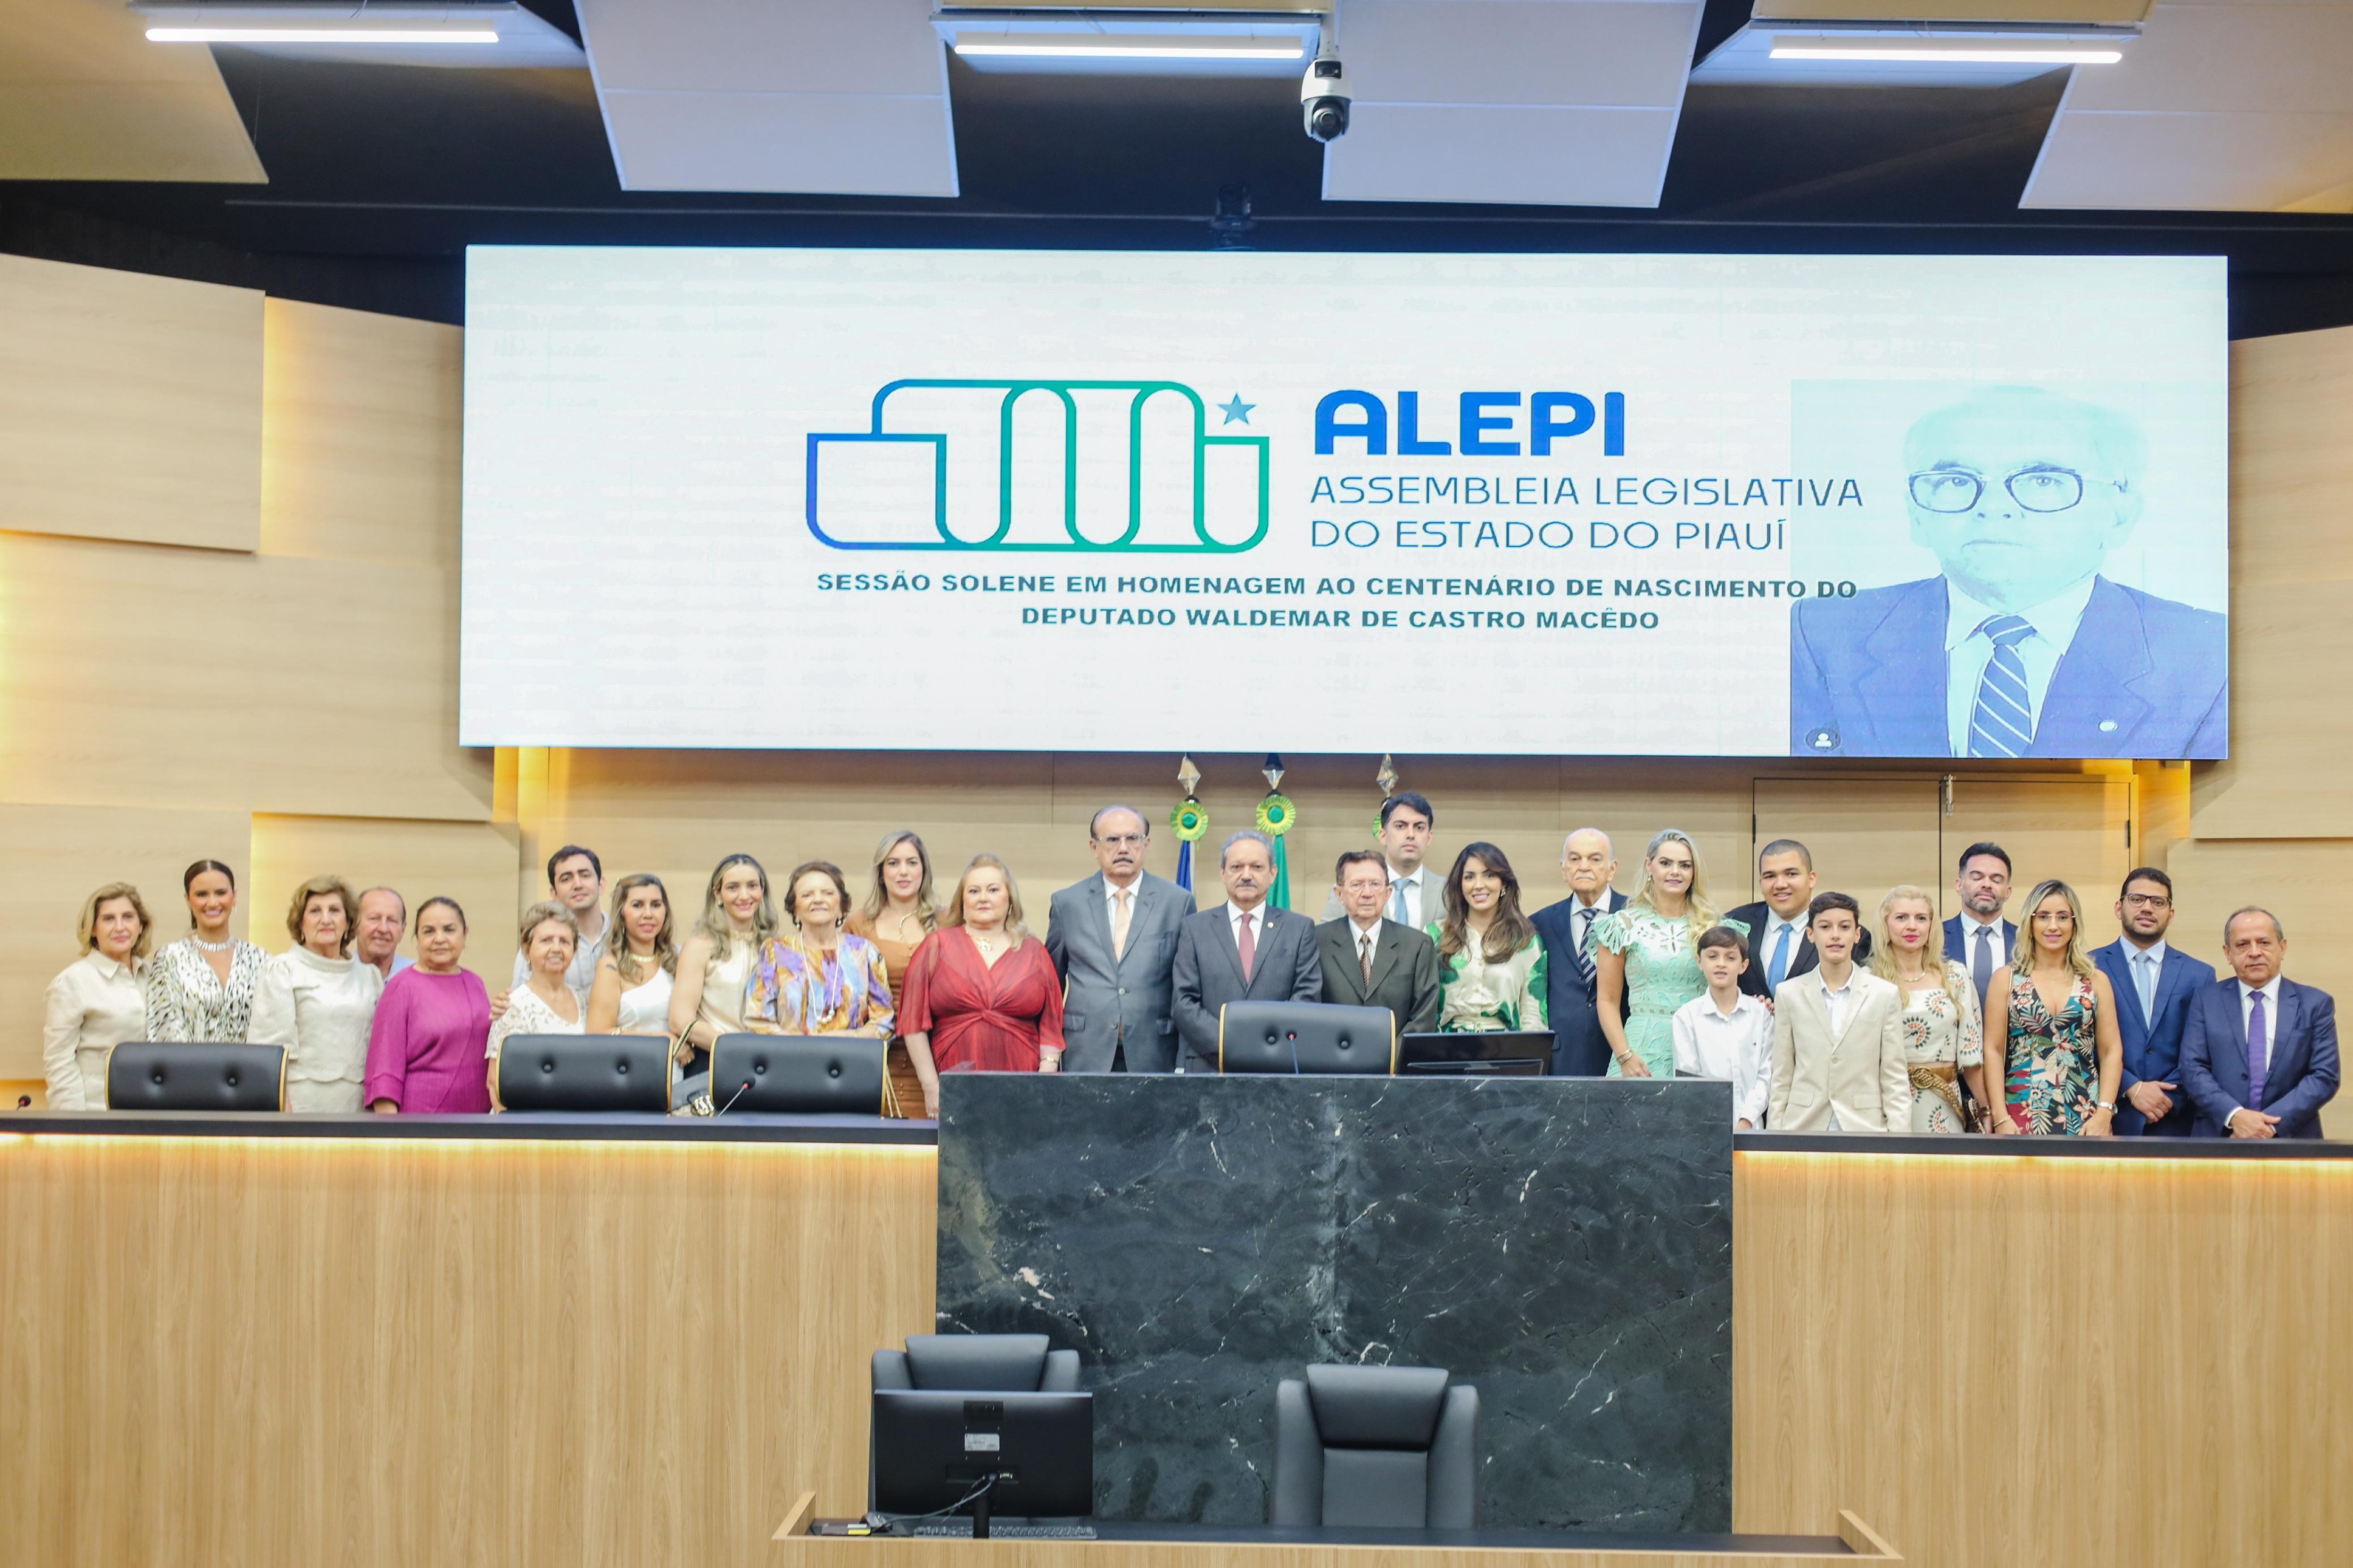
[{"x": 2107, "y": 1105}]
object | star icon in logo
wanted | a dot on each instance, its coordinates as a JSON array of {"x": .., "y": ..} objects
[{"x": 1236, "y": 411}]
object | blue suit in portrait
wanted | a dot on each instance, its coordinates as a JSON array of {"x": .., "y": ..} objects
[
  {"x": 2144, "y": 677},
  {"x": 2300, "y": 1072},
  {"x": 1579, "y": 1049},
  {"x": 2153, "y": 1040}
]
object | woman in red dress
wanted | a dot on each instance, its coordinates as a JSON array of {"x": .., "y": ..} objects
[{"x": 981, "y": 994}]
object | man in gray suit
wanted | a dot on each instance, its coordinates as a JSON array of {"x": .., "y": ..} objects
[
  {"x": 1112, "y": 938},
  {"x": 1372, "y": 962},
  {"x": 1242, "y": 952}
]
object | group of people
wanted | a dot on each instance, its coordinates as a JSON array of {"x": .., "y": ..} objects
[{"x": 1821, "y": 1018}]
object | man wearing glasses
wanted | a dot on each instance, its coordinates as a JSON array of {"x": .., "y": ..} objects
[
  {"x": 1112, "y": 938},
  {"x": 2020, "y": 648},
  {"x": 2154, "y": 984}
]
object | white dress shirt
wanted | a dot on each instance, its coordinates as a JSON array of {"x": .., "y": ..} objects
[
  {"x": 93, "y": 1006},
  {"x": 1761, "y": 955},
  {"x": 2149, "y": 960},
  {"x": 1968, "y": 651},
  {"x": 2270, "y": 992},
  {"x": 1418, "y": 894},
  {"x": 1737, "y": 1047},
  {"x": 1234, "y": 914},
  {"x": 1369, "y": 938},
  {"x": 1835, "y": 1002}
]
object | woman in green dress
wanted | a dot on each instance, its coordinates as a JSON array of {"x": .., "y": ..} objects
[
  {"x": 1649, "y": 951},
  {"x": 1491, "y": 963}
]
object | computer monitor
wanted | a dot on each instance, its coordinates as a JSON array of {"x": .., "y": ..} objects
[
  {"x": 1520, "y": 1054},
  {"x": 933, "y": 1447}
]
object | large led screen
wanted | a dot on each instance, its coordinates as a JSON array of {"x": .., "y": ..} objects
[{"x": 1688, "y": 505}]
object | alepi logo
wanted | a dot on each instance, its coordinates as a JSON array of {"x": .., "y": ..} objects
[
  {"x": 1038, "y": 466},
  {"x": 1487, "y": 424}
]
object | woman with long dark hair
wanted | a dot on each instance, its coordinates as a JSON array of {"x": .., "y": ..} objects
[{"x": 1491, "y": 964}]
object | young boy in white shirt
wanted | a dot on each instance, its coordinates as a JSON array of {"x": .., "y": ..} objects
[{"x": 1727, "y": 1034}]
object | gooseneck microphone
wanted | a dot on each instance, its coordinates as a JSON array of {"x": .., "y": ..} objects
[{"x": 732, "y": 1099}]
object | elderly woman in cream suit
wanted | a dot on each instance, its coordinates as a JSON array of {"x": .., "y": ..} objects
[
  {"x": 98, "y": 1001},
  {"x": 319, "y": 1002}
]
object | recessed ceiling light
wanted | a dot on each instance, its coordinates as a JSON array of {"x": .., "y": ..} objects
[
  {"x": 1941, "y": 54},
  {"x": 1046, "y": 46},
  {"x": 218, "y": 35}
]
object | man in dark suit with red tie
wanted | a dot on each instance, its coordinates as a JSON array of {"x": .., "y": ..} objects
[
  {"x": 1244, "y": 950},
  {"x": 2259, "y": 1051}
]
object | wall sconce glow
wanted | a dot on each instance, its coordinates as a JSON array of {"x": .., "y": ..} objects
[
  {"x": 1047, "y": 46},
  {"x": 321, "y": 36},
  {"x": 1899, "y": 54}
]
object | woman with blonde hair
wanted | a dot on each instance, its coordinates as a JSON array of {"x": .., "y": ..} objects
[
  {"x": 637, "y": 973},
  {"x": 319, "y": 1002},
  {"x": 1943, "y": 1038},
  {"x": 1650, "y": 948},
  {"x": 899, "y": 912},
  {"x": 202, "y": 986},
  {"x": 98, "y": 1001},
  {"x": 982, "y": 995},
  {"x": 716, "y": 965},
  {"x": 2058, "y": 1055}
]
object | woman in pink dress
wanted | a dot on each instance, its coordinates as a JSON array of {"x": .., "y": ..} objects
[
  {"x": 981, "y": 994},
  {"x": 432, "y": 1026}
]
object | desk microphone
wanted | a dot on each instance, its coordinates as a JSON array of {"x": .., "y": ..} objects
[{"x": 732, "y": 1099}]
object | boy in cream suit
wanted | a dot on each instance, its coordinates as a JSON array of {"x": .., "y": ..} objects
[{"x": 1838, "y": 1038}]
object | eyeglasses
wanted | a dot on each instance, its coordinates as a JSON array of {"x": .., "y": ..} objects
[
  {"x": 2036, "y": 490},
  {"x": 2148, "y": 900},
  {"x": 1121, "y": 840}
]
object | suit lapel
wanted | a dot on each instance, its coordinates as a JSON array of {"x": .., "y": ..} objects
[
  {"x": 1903, "y": 674},
  {"x": 2094, "y": 705},
  {"x": 1099, "y": 891},
  {"x": 2283, "y": 1027},
  {"x": 1385, "y": 953}
]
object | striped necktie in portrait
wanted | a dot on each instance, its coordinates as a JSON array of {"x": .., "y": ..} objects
[{"x": 2002, "y": 725}]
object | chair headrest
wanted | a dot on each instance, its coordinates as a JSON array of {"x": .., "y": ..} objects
[
  {"x": 990, "y": 1363},
  {"x": 1376, "y": 1407},
  {"x": 202, "y": 1074},
  {"x": 585, "y": 1073}
]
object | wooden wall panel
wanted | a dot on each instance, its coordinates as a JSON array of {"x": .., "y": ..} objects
[
  {"x": 55, "y": 855},
  {"x": 129, "y": 405},
  {"x": 472, "y": 862},
  {"x": 2046, "y": 1361},
  {"x": 360, "y": 433},
  {"x": 84, "y": 96},
  {"x": 139, "y": 676}
]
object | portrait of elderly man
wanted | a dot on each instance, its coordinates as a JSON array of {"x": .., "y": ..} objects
[{"x": 2019, "y": 648}]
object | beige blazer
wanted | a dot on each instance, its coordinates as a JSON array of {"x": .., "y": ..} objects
[{"x": 1859, "y": 1074}]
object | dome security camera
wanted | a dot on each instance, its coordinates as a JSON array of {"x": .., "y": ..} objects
[{"x": 1323, "y": 99}]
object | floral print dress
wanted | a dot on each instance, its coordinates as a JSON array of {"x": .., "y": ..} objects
[
  {"x": 2054, "y": 1063},
  {"x": 1940, "y": 1037}
]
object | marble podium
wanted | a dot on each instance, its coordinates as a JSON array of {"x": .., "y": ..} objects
[{"x": 1563, "y": 1244}]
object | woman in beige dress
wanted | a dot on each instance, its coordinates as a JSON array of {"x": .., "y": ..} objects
[
  {"x": 715, "y": 964},
  {"x": 1943, "y": 1037},
  {"x": 98, "y": 1001},
  {"x": 319, "y": 1002}
]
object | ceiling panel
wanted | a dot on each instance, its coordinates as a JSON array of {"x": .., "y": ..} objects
[
  {"x": 845, "y": 97},
  {"x": 84, "y": 96},
  {"x": 2231, "y": 105},
  {"x": 1568, "y": 103}
]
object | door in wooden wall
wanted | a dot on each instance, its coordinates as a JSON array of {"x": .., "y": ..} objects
[
  {"x": 2078, "y": 829},
  {"x": 1866, "y": 834}
]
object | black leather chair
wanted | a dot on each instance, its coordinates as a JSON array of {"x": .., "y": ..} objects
[
  {"x": 973, "y": 1363},
  {"x": 799, "y": 1075},
  {"x": 196, "y": 1074},
  {"x": 1376, "y": 1447},
  {"x": 585, "y": 1073},
  {"x": 1306, "y": 1036}
]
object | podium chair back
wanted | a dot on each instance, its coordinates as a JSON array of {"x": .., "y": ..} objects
[
  {"x": 196, "y": 1074},
  {"x": 1305, "y": 1037},
  {"x": 590, "y": 1073},
  {"x": 799, "y": 1075}
]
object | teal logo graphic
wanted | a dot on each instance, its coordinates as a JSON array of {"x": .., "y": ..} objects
[{"x": 1038, "y": 466}]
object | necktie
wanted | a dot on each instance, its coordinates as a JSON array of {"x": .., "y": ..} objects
[
  {"x": 1247, "y": 945},
  {"x": 1981, "y": 966},
  {"x": 1119, "y": 922},
  {"x": 1365, "y": 957},
  {"x": 2258, "y": 1052},
  {"x": 2002, "y": 724},
  {"x": 2145, "y": 981},
  {"x": 1396, "y": 905},
  {"x": 1582, "y": 922},
  {"x": 1779, "y": 970}
]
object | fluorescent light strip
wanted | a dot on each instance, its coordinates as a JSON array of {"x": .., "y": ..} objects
[
  {"x": 1133, "y": 52},
  {"x": 321, "y": 35},
  {"x": 1889, "y": 54}
]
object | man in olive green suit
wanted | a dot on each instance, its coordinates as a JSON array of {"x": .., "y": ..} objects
[{"x": 1372, "y": 962}]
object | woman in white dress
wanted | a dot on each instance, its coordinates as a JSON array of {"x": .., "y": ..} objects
[
  {"x": 98, "y": 1000},
  {"x": 319, "y": 1002},
  {"x": 714, "y": 968},
  {"x": 544, "y": 1004},
  {"x": 639, "y": 970},
  {"x": 202, "y": 986},
  {"x": 1943, "y": 1039}
]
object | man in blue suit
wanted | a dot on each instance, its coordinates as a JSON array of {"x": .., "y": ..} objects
[
  {"x": 2154, "y": 984},
  {"x": 2020, "y": 648},
  {"x": 2259, "y": 1051},
  {"x": 1587, "y": 864},
  {"x": 1979, "y": 938}
]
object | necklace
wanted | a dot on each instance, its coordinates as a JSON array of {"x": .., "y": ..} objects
[
  {"x": 984, "y": 945},
  {"x": 204, "y": 946}
]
